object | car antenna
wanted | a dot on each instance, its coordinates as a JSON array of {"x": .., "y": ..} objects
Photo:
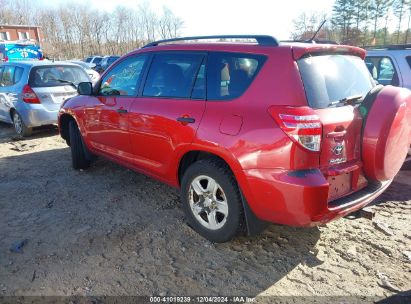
[{"x": 316, "y": 32}]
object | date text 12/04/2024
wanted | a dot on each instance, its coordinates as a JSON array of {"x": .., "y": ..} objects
[{"x": 202, "y": 299}]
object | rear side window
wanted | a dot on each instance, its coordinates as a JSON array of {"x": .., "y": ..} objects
[
  {"x": 56, "y": 75},
  {"x": 18, "y": 73},
  {"x": 173, "y": 75},
  {"x": 8, "y": 76},
  {"x": 382, "y": 70},
  {"x": 229, "y": 75},
  {"x": 330, "y": 78}
]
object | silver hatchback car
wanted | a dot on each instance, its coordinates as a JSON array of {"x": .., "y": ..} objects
[{"x": 32, "y": 92}]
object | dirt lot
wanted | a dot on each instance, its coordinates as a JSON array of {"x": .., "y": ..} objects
[{"x": 111, "y": 231}]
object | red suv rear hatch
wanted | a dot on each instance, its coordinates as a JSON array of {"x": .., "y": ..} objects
[{"x": 335, "y": 84}]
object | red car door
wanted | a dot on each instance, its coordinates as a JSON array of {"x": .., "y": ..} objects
[
  {"x": 166, "y": 116},
  {"x": 107, "y": 116}
]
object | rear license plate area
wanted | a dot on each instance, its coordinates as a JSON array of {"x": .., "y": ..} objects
[{"x": 339, "y": 185}]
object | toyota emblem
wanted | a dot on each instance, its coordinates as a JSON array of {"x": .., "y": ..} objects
[{"x": 338, "y": 149}]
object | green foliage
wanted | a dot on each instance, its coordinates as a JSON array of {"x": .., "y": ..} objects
[{"x": 366, "y": 22}]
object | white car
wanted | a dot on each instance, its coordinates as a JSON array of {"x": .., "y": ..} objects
[{"x": 88, "y": 67}]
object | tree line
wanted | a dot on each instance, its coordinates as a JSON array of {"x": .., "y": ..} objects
[
  {"x": 76, "y": 30},
  {"x": 359, "y": 22}
]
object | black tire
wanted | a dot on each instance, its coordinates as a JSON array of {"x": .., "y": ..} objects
[
  {"x": 220, "y": 173},
  {"x": 406, "y": 166},
  {"x": 20, "y": 127},
  {"x": 79, "y": 157}
]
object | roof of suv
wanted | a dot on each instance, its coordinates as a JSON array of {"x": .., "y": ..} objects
[
  {"x": 299, "y": 49},
  {"x": 264, "y": 44}
]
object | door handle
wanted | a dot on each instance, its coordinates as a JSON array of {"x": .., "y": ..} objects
[
  {"x": 186, "y": 120},
  {"x": 122, "y": 111},
  {"x": 336, "y": 134}
]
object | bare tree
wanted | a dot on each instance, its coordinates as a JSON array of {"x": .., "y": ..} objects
[
  {"x": 169, "y": 25},
  {"x": 70, "y": 30}
]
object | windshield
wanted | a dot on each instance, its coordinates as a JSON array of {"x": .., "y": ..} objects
[
  {"x": 331, "y": 78},
  {"x": 58, "y": 75}
]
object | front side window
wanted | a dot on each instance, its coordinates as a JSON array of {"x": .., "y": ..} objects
[
  {"x": 57, "y": 75},
  {"x": 382, "y": 70},
  {"x": 123, "y": 79},
  {"x": 172, "y": 75},
  {"x": 229, "y": 74}
]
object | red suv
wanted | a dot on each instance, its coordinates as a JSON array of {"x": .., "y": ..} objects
[{"x": 291, "y": 133}]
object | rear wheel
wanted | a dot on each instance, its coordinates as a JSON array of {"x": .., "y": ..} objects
[
  {"x": 212, "y": 200},
  {"x": 79, "y": 154},
  {"x": 21, "y": 129}
]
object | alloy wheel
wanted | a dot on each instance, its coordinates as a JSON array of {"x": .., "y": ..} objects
[{"x": 208, "y": 202}]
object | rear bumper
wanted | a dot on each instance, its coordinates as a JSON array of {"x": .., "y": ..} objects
[
  {"x": 35, "y": 115},
  {"x": 300, "y": 198}
]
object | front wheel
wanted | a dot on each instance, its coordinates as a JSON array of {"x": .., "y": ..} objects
[
  {"x": 212, "y": 200},
  {"x": 79, "y": 153},
  {"x": 21, "y": 129}
]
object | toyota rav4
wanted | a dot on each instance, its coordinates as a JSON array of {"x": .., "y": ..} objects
[{"x": 290, "y": 133}]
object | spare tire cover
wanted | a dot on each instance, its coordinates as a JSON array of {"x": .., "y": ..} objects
[{"x": 386, "y": 133}]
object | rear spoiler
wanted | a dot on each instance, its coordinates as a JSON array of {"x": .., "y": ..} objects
[{"x": 304, "y": 50}]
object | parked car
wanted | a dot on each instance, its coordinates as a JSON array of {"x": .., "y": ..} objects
[
  {"x": 390, "y": 65},
  {"x": 105, "y": 63},
  {"x": 31, "y": 92},
  {"x": 93, "y": 59},
  {"x": 88, "y": 67},
  {"x": 295, "y": 133}
]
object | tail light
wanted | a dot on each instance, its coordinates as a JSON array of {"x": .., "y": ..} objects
[
  {"x": 301, "y": 124},
  {"x": 29, "y": 96}
]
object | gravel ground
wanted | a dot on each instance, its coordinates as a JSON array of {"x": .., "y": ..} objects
[{"x": 111, "y": 231}]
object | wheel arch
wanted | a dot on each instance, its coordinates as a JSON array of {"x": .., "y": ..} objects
[
  {"x": 253, "y": 224},
  {"x": 11, "y": 113},
  {"x": 64, "y": 121}
]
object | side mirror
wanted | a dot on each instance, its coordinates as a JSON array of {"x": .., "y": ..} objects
[
  {"x": 85, "y": 88},
  {"x": 92, "y": 65}
]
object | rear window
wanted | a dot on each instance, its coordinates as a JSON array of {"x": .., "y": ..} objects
[
  {"x": 330, "y": 78},
  {"x": 58, "y": 75},
  {"x": 230, "y": 74},
  {"x": 97, "y": 60}
]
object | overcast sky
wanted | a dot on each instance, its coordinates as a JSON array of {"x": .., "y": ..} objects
[{"x": 213, "y": 17}]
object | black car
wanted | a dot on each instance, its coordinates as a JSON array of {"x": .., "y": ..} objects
[{"x": 105, "y": 63}]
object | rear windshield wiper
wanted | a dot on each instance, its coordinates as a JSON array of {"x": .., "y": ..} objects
[
  {"x": 346, "y": 100},
  {"x": 65, "y": 81}
]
